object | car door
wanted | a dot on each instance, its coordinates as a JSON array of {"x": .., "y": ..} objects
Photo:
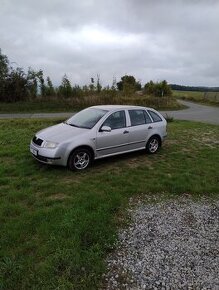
[
  {"x": 159, "y": 125},
  {"x": 139, "y": 130},
  {"x": 115, "y": 141}
]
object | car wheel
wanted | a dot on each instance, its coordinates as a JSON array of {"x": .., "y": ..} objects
[
  {"x": 80, "y": 159},
  {"x": 153, "y": 145}
]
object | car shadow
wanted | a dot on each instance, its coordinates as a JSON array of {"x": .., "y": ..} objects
[
  {"x": 105, "y": 163},
  {"x": 118, "y": 158}
]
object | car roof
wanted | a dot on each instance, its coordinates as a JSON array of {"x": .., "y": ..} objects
[{"x": 117, "y": 107}]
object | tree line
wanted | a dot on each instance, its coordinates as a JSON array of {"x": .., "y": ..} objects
[
  {"x": 18, "y": 85},
  {"x": 194, "y": 89}
]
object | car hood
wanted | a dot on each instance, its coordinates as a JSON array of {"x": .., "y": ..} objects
[{"x": 61, "y": 132}]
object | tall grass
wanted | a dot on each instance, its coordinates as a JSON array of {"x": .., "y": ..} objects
[
  {"x": 201, "y": 97},
  {"x": 57, "y": 104}
]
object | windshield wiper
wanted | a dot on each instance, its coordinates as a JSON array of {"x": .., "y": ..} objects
[
  {"x": 85, "y": 127},
  {"x": 73, "y": 125}
]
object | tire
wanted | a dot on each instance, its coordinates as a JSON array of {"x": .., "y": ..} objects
[
  {"x": 153, "y": 145},
  {"x": 80, "y": 159}
]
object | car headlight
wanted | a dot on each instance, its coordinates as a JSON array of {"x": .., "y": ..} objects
[{"x": 49, "y": 144}]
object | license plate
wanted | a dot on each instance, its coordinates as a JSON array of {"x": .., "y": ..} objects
[{"x": 33, "y": 151}]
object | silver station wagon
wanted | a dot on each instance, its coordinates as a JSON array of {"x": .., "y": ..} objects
[{"x": 98, "y": 132}]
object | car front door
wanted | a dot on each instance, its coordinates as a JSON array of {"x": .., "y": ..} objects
[{"x": 115, "y": 141}]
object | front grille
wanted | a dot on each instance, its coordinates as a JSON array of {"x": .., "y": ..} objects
[{"x": 37, "y": 141}]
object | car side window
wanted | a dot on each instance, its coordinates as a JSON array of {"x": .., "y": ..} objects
[
  {"x": 155, "y": 117},
  {"x": 137, "y": 117},
  {"x": 116, "y": 120}
]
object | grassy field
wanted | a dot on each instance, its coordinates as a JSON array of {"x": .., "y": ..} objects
[
  {"x": 57, "y": 226},
  {"x": 36, "y": 107},
  {"x": 75, "y": 104},
  {"x": 210, "y": 98}
]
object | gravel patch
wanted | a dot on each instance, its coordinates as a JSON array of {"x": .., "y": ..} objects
[{"x": 168, "y": 245}]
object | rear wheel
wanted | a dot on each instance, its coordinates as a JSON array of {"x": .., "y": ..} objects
[
  {"x": 153, "y": 145},
  {"x": 80, "y": 159}
]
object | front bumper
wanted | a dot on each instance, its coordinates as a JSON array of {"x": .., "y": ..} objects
[{"x": 45, "y": 155}]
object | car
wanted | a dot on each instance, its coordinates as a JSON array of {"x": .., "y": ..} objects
[{"x": 97, "y": 132}]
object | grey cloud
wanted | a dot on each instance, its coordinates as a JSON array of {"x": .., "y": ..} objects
[{"x": 173, "y": 40}]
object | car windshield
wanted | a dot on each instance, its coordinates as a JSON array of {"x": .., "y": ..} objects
[{"x": 86, "y": 118}]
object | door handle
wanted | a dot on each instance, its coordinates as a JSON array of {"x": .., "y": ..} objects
[
  {"x": 150, "y": 127},
  {"x": 125, "y": 132}
]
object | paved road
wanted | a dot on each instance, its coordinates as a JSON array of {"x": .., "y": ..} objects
[{"x": 195, "y": 112}]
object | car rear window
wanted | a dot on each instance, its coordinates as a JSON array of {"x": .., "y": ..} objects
[
  {"x": 139, "y": 117},
  {"x": 155, "y": 117}
]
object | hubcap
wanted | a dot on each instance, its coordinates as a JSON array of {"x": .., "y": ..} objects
[
  {"x": 153, "y": 145},
  {"x": 81, "y": 160}
]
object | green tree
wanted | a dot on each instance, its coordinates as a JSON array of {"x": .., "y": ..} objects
[
  {"x": 114, "y": 84},
  {"x": 77, "y": 91},
  {"x": 49, "y": 88},
  {"x": 91, "y": 86},
  {"x": 65, "y": 88},
  {"x": 149, "y": 88},
  {"x": 165, "y": 89},
  {"x": 99, "y": 87},
  {"x": 42, "y": 83},
  {"x": 85, "y": 89},
  {"x": 16, "y": 85},
  {"x": 4, "y": 69},
  {"x": 32, "y": 83},
  {"x": 13, "y": 81},
  {"x": 128, "y": 83}
]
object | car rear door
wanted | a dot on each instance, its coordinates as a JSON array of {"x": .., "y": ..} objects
[
  {"x": 139, "y": 129},
  {"x": 159, "y": 123}
]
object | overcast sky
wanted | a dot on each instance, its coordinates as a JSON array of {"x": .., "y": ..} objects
[{"x": 176, "y": 40}]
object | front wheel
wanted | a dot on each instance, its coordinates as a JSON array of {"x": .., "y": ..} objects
[
  {"x": 153, "y": 145},
  {"x": 80, "y": 159}
]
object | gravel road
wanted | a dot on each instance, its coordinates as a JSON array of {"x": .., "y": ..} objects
[{"x": 168, "y": 245}]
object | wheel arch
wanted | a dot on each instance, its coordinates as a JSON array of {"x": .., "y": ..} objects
[
  {"x": 155, "y": 135},
  {"x": 89, "y": 148}
]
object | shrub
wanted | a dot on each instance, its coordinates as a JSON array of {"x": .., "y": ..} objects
[{"x": 160, "y": 89}]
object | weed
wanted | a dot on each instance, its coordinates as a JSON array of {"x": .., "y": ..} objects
[
  {"x": 209, "y": 98},
  {"x": 75, "y": 104}
]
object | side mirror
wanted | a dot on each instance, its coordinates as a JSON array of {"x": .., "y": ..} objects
[{"x": 105, "y": 129}]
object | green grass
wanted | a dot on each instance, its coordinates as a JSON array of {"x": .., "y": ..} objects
[
  {"x": 36, "y": 107},
  {"x": 208, "y": 98},
  {"x": 57, "y": 226},
  {"x": 75, "y": 104}
]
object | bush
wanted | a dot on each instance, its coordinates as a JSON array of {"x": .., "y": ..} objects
[{"x": 160, "y": 89}]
